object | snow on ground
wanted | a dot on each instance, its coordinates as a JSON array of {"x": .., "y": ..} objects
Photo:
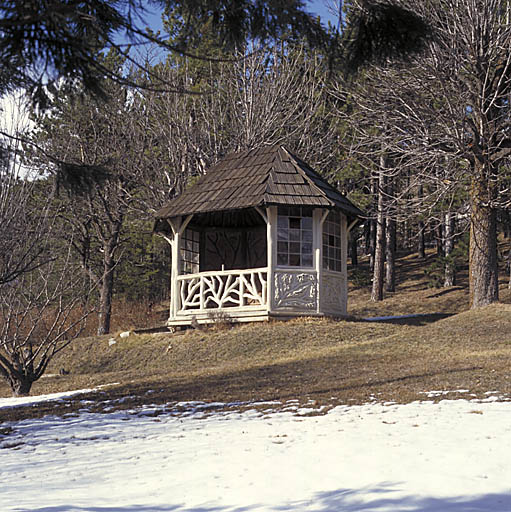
[
  {"x": 28, "y": 400},
  {"x": 451, "y": 456}
]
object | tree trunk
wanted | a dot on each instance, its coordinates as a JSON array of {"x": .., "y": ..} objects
[
  {"x": 21, "y": 386},
  {"x": 509, "y": 267},
  {"x": 390, "y": 255},
  {"x": 379, "y": 253},
  {"x": 439, "y": 237},
  {"x": 372, "y": 227},
  {"x": 506, "y": 222},
  {"x": 450, "y": 267},
  {"x": 372, "y": 242},
  {"x": 105, "y": 298},
  {"x": 483, "y": 270},
  {"x": 107, "y": 281},
  {"x": 353, "y": 247},
  {"x": 366, "y": 237},
  {"x": 421, "y": 245}
]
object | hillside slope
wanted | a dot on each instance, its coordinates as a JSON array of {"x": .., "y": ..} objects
[{"x": 347, "y": 361}]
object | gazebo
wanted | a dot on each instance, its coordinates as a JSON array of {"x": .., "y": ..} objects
[{"x": 260, "y": 235}]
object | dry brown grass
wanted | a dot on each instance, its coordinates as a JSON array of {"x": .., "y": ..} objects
[{"x": 325, "y": 360}]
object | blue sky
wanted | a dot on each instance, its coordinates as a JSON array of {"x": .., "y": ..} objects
[{"x": 318, "y": 7}]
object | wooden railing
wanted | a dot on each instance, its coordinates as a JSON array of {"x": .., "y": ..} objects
[{"x": 223, "y": 289}]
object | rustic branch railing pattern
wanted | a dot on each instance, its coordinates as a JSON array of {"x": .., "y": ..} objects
[{"x": 223, "y": 289}]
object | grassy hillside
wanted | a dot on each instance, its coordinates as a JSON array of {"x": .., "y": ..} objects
[{"x": 330, "y": 362}]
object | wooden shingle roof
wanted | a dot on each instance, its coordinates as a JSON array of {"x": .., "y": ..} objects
[{"x": 269, "y": 175}]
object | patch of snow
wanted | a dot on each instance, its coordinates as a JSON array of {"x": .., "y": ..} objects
[
  {"x": 34, "y": 399},
  {"x": 452, "y": 456},
  {"x": 434, "y": 394},
  {"x": 29, "y": 400}
]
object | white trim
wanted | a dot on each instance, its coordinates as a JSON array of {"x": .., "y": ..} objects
[
  {"x": 222, "y": 272},
  {"x": 319, "y": 220},
  {"x": 350, "y": 227},
  {"x": 178, "y": 226},
  {"x": 271, "y": 243},
  {"x": 262, "y": 214},
  {"x": 185, "y": 224},
  {"x": 168, "y": 239}
]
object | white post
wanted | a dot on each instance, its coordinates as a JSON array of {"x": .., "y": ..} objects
[
  {"x": 174, "y": 273},
  {"x": 178, "y": 226},
  {"x": 344, "y": 256},
  {"x": 318, "y": 218},
  {"x": 271, "y": 237},
  {"x": 201, "y": 290}
]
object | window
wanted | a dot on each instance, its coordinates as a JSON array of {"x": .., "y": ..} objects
[
  {"x": 294, "y": 236},
  {"x": 332, "y": 242},
  {"x": 190, "y": 251}
]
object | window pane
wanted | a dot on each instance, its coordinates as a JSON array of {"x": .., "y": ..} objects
[
  {"x": 294, "y": 222},
  {"x": 306, "y": 248},
  {"x": 294, "y": 260},
  {"x": 282, "y": 234},
  {"x": 294, "y": 247},
  {"x": 282, "y": 222},
  {"x": 307, "y": 260},
  {"x": 307, "y": 236},
  {"x": 294, "y": 235},
  {"x": 282, "y": 259},
  {"x": 282, "y": 247},
  {"x": 307, "y": 223}
]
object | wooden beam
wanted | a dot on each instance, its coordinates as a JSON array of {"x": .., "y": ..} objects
[
  {"x": 271, "y": 247},
  {"x": 261, "y": 213},
  {"x": 352, "y": 224}
]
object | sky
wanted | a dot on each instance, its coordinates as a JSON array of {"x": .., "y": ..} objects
[
  {"x": 323, "y": 8},
  {"x": 12, "y": 115},
  {"x": 450, "y": 456}
]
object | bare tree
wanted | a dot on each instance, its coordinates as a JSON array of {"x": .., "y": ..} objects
[
  {"x": 450, "y": 267},
  {"x": 277, "y": 96},
  {"x": 379, "y": 253},
  {"x": 41, "y": 312},
  {"x": 270, "y": 96},
  {"x": 449, "y": 113},
  {"x": 108, "y": 153},
  {"x": 43, "y": 302}
]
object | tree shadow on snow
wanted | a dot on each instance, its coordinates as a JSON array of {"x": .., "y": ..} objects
[
  {"x": 141, "y": 508},
  {"x": 341, "y": 500},
  {"x": 348, "y": 500}
]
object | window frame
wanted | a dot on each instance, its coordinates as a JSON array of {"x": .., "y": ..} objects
[
  {"x": 331, "y": 242},
  {"x": 190, "y": 247},
  {"x": 295, "y": 237}
]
